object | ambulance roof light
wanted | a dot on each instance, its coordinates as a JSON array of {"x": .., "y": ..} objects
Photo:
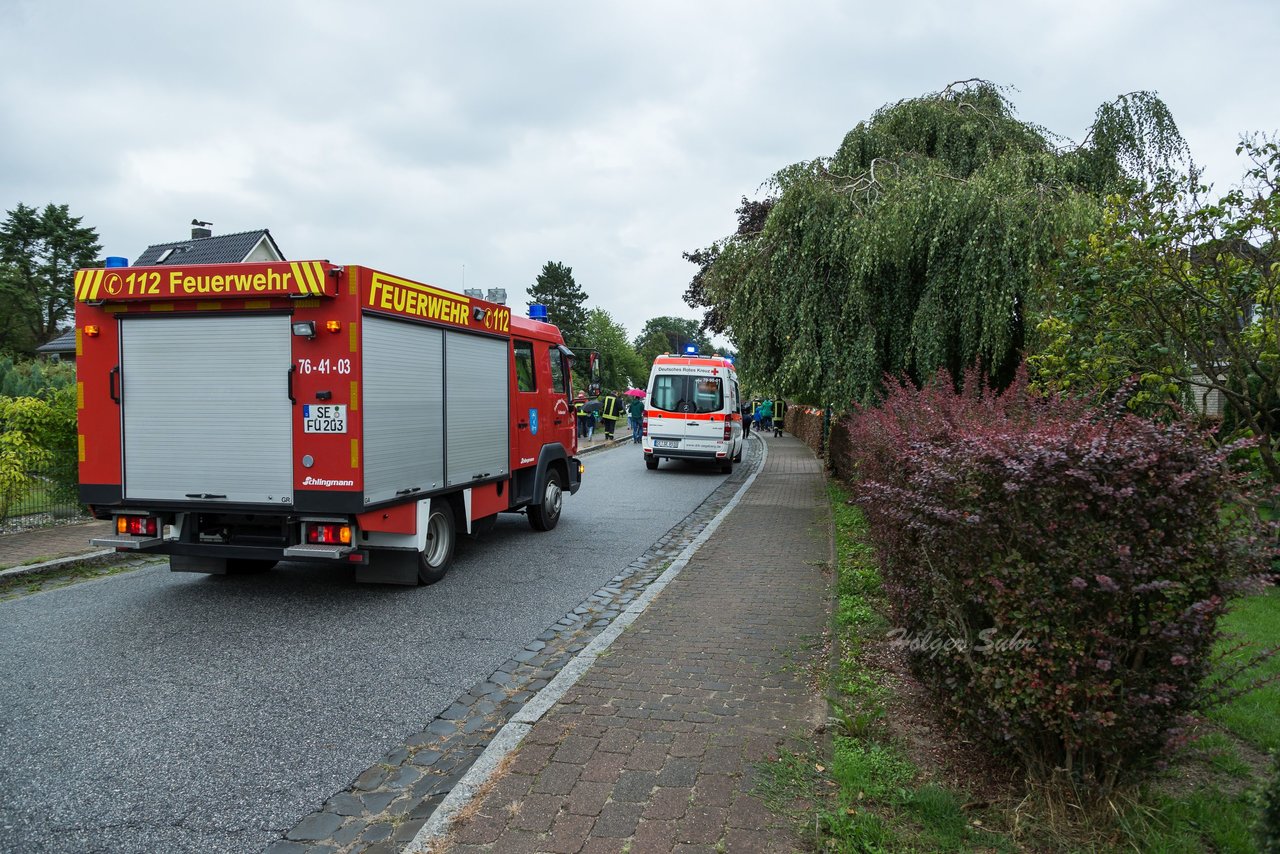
[
  {"x": 691, "y": 349},
  {"x": 538, "y": 311}
]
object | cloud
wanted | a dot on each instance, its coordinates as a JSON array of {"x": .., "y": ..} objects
[{"x": 428, "y": 138}]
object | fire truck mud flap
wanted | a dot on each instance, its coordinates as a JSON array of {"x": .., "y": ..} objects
[{"x": 389, "y": 566}]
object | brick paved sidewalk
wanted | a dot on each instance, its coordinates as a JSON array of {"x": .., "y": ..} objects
[
  {"x": 42, "y": 544},
  {"x": 653, "y": 749}
]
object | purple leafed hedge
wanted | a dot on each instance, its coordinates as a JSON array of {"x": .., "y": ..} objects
[{"x": 1056, "y": 573}]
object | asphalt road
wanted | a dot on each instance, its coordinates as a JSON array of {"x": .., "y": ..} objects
[{"x": 166, "y": 712}]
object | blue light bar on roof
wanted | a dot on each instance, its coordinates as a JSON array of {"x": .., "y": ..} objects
[{"x": 691, "y": 349}]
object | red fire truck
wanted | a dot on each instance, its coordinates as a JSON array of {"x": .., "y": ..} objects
[{"x": 232, "y": 416}]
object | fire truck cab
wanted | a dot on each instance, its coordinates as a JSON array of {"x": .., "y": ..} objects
[{"x": 232, "y": 416}]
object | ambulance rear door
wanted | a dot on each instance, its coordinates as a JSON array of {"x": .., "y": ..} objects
[{"x": 687, "y": 408}]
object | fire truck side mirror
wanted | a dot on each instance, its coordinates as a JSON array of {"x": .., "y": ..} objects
[{"x": 593, "y": 373}]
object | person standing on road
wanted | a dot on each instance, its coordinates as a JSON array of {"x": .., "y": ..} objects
[
  {"x": 766, "y": 414},
  {"x": 779, "y": 416},
  {"x": 584, "y": 417},
  {"x": 592, "y": 410},
  {"x": 611, "y": 413},
  {"x": 745, "y": 409},
  {"x": 635, "y": 414}
]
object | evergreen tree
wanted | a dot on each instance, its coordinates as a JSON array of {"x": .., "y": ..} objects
[
  {"x": 40, "y": 252},
  {"x": 565, "y": 301}
]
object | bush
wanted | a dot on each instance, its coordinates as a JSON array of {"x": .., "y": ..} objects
[
  {"x": 37, "y": 435},
  {"x": 34, "y": 378},
  {"x": 1057, "y": 573}
]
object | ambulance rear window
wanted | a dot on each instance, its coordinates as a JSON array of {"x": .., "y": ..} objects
[{"x": 675, "y": 393}]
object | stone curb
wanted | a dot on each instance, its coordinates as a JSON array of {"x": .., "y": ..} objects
[{"x": 69, "y": 561}]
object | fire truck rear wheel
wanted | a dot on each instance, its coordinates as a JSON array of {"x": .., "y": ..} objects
[
  {"x": 436, "y": 556},
  {"x": 544, "y": 516}
]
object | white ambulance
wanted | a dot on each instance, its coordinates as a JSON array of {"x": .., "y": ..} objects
[{"x": 691, "y": 411}]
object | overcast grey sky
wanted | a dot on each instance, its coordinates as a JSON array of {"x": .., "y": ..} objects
[{"x": 428, "y": 139}]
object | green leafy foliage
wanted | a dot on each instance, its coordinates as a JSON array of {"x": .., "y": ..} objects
[
  {"x": 1181, "y": 294},
  {"x": 919, "y": 245},
  {"x": 34, "y": 377},
  {"x": 620, "y": 367},
  {"x": 565, "y": 300},
  {"x": 669, "y": 334},
  {"x": 40, "y": 252},
  {"x": 37, "y": 438}
]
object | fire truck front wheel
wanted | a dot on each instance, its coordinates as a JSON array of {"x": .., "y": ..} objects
[
  {"x": 436, "y": 556},
  {"x": 544, "y": 516}
]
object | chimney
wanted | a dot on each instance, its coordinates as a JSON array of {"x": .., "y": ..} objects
[{"x": 200, "y": 229}]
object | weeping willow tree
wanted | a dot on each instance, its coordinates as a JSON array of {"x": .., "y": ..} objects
[{"x": 920, "y": 244}]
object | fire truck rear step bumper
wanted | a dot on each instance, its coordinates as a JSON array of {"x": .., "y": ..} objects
[
  {"x": 126, "y": 542},
  {"x": 310, "y": 550}
]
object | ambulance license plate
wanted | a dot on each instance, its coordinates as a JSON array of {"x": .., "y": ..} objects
[
  {"x": 327, "y": 418},
  {"x": 666, "y": 443}
]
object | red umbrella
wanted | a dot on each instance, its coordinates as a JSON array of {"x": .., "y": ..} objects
[{"x": 634, "y": 392}]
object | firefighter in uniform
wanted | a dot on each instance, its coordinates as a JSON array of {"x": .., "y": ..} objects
[
  {"x": 612, "y": 412},
  {"x": 582, "y": 417}
]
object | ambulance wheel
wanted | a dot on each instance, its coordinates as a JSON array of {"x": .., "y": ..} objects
[
  {"x": 651, "y": 462},
  {"x": 245, "y": 566},
  {"x": 544, "y": 516},
  {"x": 436, "y": 556},
  {"x": 737, "y": 458}
]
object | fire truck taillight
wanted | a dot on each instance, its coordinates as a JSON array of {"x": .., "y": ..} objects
[
  {"x": 137, "y": 525},
  {"x": 333, "y": 325},
  {"x": 329, "y": 534}
]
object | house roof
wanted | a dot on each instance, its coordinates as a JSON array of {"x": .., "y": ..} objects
[
  {"x": 64, "y": 343},
  {"x": 221, "y": 249}
]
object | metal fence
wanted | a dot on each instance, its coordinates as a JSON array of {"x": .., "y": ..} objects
[{"x": 50, "y": 494}]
